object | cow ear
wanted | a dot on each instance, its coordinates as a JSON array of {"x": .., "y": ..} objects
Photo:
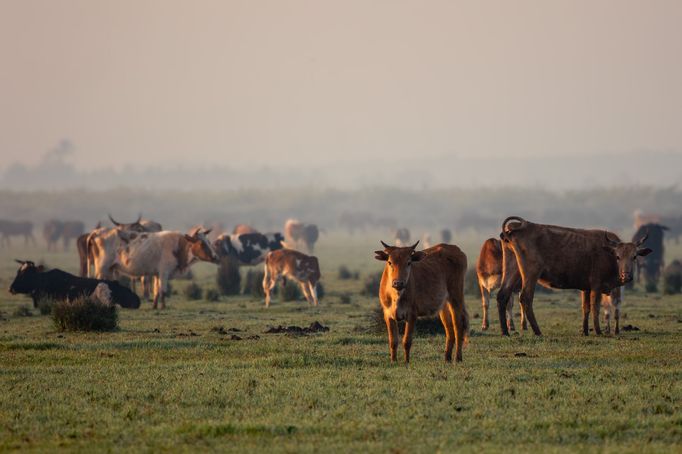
[
  {"x": 41, "y": 268},
  {"x": 417, "y": 256},
  {"x": 381, "y": 255},
  {"x": 190, "y": 238},
  {"x": 608, "y": 249},
  {"x": 645, "y": 251}
]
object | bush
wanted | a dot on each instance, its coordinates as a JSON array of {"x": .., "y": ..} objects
[
  {"x": 372, "y": 284},
  {"x": 253, "y": 284},
  {"x": 84, "y": 314},
  {"x": 229, "y": 279},
  {"x": 23, "y": 311},
  {"x": 651, "y": 287},
  {"x": 345, "y": 298},
  {"x": 193, "y": 291},
  {"x": 346, "y": 274},
  {"x": 212, "y": 295},
  {"x": 45, "y": 305}
]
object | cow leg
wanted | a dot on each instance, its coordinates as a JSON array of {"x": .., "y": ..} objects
[
  {"x": 313, "y": 291},
  {"x": 306, "y": 292},
  {"x": 607, "y": 314},
  {"x": 461, "y": 322},
  {"x": 510, "y": 313},
  {"x": 595, "y": 303},
  {"x": 485, "y": 302},
  {"x": 503, "y": 296},
  {"x": 585, "y": 296},
  {"x": 407, "y": 337},
  {"x": 163, "y": 282},
  {"x": 524, "y": 323},
  {"x": 448, "y": 325},
  {"x": 616, "y": 310},
  {"x": 526, "y": 300},
  {"x": 268, "y": 284},
  {"x": 393, "y": 334},
  {"x": 155, "y": 305}
]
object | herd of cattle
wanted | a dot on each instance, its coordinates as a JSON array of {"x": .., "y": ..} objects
[{"x": 414, "y": 283}]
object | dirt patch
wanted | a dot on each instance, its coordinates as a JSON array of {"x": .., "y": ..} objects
[
  {"x": 223, "y": 331},
  {"x": 630, "y": 328},
  {"x": 188, "y": 334},
  {"x": 315, "y": 327}
]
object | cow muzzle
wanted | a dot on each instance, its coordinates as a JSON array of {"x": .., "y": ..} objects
[
  {"x": 625, "y": 278},
  {"x": 398, "y": 285}
]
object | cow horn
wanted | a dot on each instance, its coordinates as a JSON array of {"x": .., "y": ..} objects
[
  {"x": 523, "y": 222},
  {"x": 609, "y": 241},
  {"x": 139, "y": 218},
  {"x": 643, "y": 239},
  {"x": 414, "y": 246},
  {"x": 21, "y": 262},
  {"x": 206, "y": 232},
  {"x": 385, "y": 245},
  {"x": 114, "y": 222},
  {"x": 99, "y": 225}
]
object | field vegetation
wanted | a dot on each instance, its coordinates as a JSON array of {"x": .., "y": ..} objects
[{"x": 205, "y": 374}]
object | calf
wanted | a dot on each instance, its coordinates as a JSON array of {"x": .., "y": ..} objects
[
  {"x": 489, "y": 270},
  {"x": 592, "y": 261},
  {"x": 248, "y": 248},
  {"x": 60, "y": 285},
  {"x": 423, "y": 283},
  {"x": 301, "y": 268},
  {"x": 11, "y": 228}
]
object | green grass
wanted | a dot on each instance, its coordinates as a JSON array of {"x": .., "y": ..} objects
[{"x": 168, "y": 381}]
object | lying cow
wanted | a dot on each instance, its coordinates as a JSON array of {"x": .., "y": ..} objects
[
  {"x": 423, "y": 283},
  {"x": 489, "y": 270},
  {"x": 248, "y": 248},
  {"x": 287, "y": 263},
  {"x": 60, "y": 285},
  {"x": 592, "y": 261},
  {"x": 161, "y": 254}
]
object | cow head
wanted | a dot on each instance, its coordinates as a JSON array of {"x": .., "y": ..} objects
[
  {"x": 399, "y": 263},
  {"x": 626, "y": 255},
  {"x": 132, "y": 227},
  {"x": 26, "y": 278},
  {"x": 201, "y": 246}
]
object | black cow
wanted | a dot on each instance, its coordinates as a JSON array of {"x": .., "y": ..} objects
[
  {"x": 59, "y": 285},
  {"x": 248, "y": 248},
  {"x": 651, "y": 265}
]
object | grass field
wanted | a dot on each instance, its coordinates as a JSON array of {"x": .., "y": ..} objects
[{"x": 171, "y": 380}]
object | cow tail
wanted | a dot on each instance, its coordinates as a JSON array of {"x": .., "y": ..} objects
[{"x": 465, "y": 320}]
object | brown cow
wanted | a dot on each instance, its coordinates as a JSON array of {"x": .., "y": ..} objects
[
  {"x": 423, "y": 283},
  {"x": 592, "y": 261},
  {"x": 489, "y": 268},
  {"x": 301, "y": 268}
]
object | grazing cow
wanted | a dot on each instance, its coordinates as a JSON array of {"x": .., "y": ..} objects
[
  {"x": 423, "y": 283},
  {"x": 52, "y": 231},
  {"x": 446, "y": 236},
  {"x": 71, "y": 230},
  {"x": 297, "y": 232},
  {"x": 161, "y": 254},
  {"x": 592, "y": 261},
  {"x": 241, "y": 229},
  {"x": 489, "y": 270},
  {"x": 652, "y": 264},
  {"x": 248, "y": 248},
  {"x": 11, "y": 228},
  {"x": 402, "y": 237},
  {"x": 301, "y": 268},
  {"x": 60, "y": 285}
]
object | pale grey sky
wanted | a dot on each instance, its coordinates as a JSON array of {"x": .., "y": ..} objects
[{"x": 284, "y": 81}]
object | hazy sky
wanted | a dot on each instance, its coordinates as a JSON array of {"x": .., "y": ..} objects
[{"x": 284, "y": 82}]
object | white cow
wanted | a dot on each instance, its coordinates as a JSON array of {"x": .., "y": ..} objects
[{"x": 161, "y": 254}]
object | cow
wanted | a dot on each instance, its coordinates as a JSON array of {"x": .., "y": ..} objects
[
  {"x": 423, "y": 283},
  {"x": 59, "y": 285},
  {"x": 297, "y": 232},
  {"x": 592, "y": 261},
  {"x": 446, "y": 236},
  {"x": 12, "y": 228},
  {"x": 240, "y": 229},
  {"x": 140, "y": 225},
  {"x": 161, "y": 254},
  {"x": 248, "y": 248},
  {"x": 651, "y": 265},
  {"x": 401, "y": 236},
  {"x": 71, "y": 230},
  {"x": 297, "y": 266},
  {"x": 52, "y": 231},
  {"x": 489, "y": 270}
]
